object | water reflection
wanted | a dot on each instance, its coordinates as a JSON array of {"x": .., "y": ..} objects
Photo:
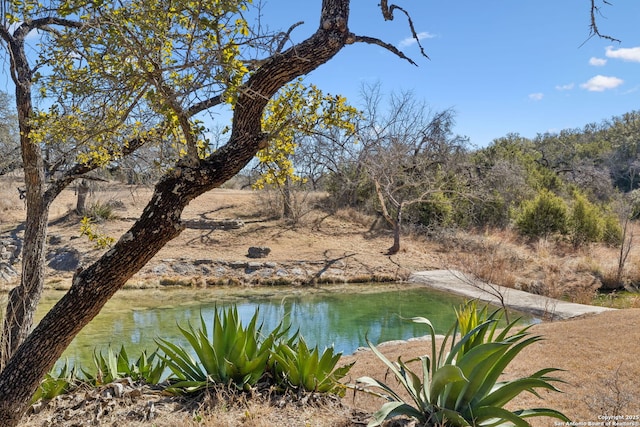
[{"x": 324, "y": 319}]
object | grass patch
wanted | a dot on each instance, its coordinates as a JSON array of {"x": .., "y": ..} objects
[{"x": 621, "y": 299}]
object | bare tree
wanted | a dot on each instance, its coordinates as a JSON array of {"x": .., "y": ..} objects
[
  {"x": 411, "y": 152},
  {"x": 9, "y": 140}
]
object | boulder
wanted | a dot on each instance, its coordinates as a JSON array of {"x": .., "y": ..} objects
[{"x": 259, "y": 252}]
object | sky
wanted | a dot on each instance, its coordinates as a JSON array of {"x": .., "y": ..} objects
[{"x": 503, "y": 66}]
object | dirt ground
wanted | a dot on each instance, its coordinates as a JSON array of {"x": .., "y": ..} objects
[{"x": 598, "y": 353}]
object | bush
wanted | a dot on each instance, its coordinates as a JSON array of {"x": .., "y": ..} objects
[
  {"x": 242, "y": 356},
  {"x": 459, "y": 387},
  {"x": 438, "y": 211},
  {"x": 114, "y": 366},
  {"x": 544, "y": 215},
  {"x": 585, "y": 225},
  {"x": 612, "y": 232},
  {"x": 234, "y": 355},
  {"x": 297, "y": 367},
  {"x": 99, "y": 211},
  {"x": 55, "y": 384}
]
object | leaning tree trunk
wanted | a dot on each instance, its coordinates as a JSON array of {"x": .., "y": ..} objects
[{"x": 160, "y": 221}]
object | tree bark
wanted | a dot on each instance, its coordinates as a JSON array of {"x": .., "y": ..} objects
[
  {"x": 160, "y": 221},
  {"x": 24, "y": 298},
  {"x": 397, "y": 230},
  {"x": 83, "y": 192},
  {"x": 287, "y": 208}
]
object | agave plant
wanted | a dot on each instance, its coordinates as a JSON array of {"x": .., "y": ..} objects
[
  {"x": 114, "y": 366},
  {"x": 54, "y": 384},
  {"x": 297, "y": 367},
  {"x": 233, "y": 355},
  {"x": 460, "y": 386}
]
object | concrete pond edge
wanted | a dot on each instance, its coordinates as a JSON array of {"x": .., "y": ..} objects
[{"x": 459, "y": 283}]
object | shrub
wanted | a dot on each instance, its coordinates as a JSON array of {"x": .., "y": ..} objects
[
  {"x": 544, "y": 215},
  {"x": 438, "y": 211},
  {"x": 99, "y": 211},
  {"x": 612, "y": 233},
  {"x": 56, "y": 384},
  {"x": 114, "y": 366},
  {"x": 585, "y": 225},
  {"x": 297, "y": 367},
  {"x": 234, "y": 355},
  {"x": 459, "y": 387}
]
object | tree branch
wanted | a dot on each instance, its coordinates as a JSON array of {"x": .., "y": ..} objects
[
  {"x": 391, "y": 48},
  {"x": 387, "y": 13},
  {"x": 593, "y": 25},
  {"x": 285, "y": 35}
]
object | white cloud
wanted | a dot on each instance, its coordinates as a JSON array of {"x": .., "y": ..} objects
[
  {"x": 536, "y": 96},
  {"x": 630, "y": 54},
  {"x": 410, "y": 40},
  {"x": 568, "y": 86},
  {"x": 597, "y": 62},
  {"x": 601, "y": 83}
]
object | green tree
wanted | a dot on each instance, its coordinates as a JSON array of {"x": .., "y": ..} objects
[
  {"x": 298, "y": 111},
  {"x": 109, "y": 70}
]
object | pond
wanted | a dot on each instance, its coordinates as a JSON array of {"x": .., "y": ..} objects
[{"x": 339, "y": 316}]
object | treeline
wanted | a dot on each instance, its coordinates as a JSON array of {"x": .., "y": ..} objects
[{"x": 407, "y": 165}]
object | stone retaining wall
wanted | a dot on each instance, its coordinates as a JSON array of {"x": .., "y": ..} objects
[{"x": 209, "y": 272}]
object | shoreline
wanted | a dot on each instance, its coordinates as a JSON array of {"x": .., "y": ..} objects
[{"x": 461, "y": 284}]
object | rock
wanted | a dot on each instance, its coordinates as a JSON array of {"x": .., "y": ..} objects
[
  {"x": 254, "y": 265},
  {"x": 54, "y": 239},
  {"x": 7, "y": 272},
  {"x": 237, "y": 264},
  {"x": 160, "y": 269},
  {"x": 183, "y": 268},
  {"x": 259, "y": 252}
]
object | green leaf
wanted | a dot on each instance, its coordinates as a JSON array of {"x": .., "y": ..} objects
[
  {"x": 507, "y": 391},
  {"x": 393, "y": 409},
  {"x": 448, "y": 374}
]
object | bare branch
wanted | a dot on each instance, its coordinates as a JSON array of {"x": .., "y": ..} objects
[
  {"x": 387, "y": 13},
  {"x": 391, "y": 48},
  {"x": 593, "y": 25},
  {"x": 285, "y": 36}
]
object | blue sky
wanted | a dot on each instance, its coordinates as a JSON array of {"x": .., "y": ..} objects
[{"x": 522, "y": 66}]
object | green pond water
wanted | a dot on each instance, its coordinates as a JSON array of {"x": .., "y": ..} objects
[{"x": 338, "y": 316}]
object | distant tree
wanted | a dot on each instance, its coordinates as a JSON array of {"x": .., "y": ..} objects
[
  {"x": 296, "y": 113},
  {"x": 9, "y": 139},
  {"x": 503, "y": 179},
  {"x": 578, "y": 157},
  {"x": 622, "y": 134},
  {"x": 411, "y": 153}
]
